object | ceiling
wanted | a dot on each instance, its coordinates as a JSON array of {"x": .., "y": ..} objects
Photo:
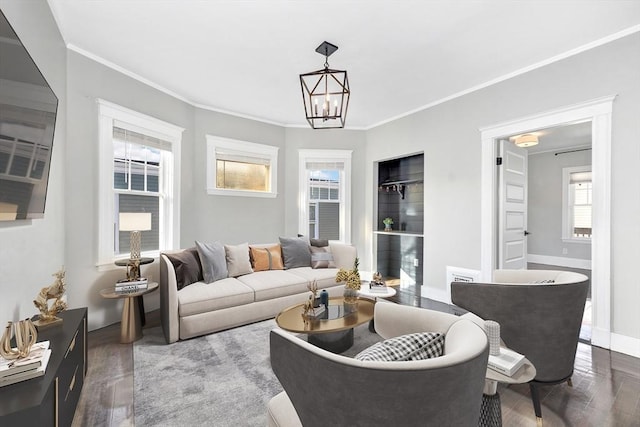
[
  {"x": 244, "y": 57},
  {"x": 562, "y": 137}
]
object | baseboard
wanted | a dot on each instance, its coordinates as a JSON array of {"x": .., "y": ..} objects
[
  {"x": 601, "y": 338},
  {"x": 625, "y": 344},
  {"x": 584, "y": 264},
  {"x": 434, "y": 294}
]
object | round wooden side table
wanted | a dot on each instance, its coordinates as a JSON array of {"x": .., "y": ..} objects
[{"x": 131, "y": 323}]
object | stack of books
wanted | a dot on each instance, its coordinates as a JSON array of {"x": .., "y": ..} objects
[
  {"x": 378, "y": 287},
  {"x": 507, "y": 362},
  {"x": 127, "y": 286},
  {"x": 32, "y": 366}
]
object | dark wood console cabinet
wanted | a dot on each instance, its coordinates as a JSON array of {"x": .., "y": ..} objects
[{"x": 51, "y": 400}]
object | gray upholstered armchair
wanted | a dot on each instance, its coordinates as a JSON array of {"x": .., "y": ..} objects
[
  {"x": 540, "y": 314},
  {"x": 322, "y": 388}
]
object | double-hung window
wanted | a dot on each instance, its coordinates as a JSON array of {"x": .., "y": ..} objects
[
  {"x": 325, "y": 194},
  {"x": 139, "y": 166},
  {"x": 577, "y": 203}
]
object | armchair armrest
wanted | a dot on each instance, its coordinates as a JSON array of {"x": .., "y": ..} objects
[
  {"x": 169, "y": 301},
  {"x": 392, "y": 320}
]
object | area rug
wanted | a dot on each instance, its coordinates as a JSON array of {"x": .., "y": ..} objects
[{"x": 222, "y": 379}]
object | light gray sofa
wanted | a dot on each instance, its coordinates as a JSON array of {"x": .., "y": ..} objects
[
  {"x": 202, "y": 308},
  {"x": 322, "y": 388}
]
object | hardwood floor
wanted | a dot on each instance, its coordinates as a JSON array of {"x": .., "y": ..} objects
[{"x": 605, "y": 392}]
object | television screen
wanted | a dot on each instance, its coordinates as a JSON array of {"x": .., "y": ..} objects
[{"x": 28, "y": 110}]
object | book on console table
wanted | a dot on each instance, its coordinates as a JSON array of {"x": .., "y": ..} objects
[
  {"x": 32, "y": 362},
  {"x": 32, "y": 366},
  {"x": 507, "y": 363}
]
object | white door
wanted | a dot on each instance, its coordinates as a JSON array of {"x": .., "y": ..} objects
[{"x": 512, "y": 199}]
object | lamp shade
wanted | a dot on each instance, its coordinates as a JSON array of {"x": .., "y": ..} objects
[
  {"x": 135, "y": 221},
  {"x": 528, "y": 140}
]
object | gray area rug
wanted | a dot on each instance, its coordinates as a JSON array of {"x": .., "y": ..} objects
[{"x": 222, "y": 379}]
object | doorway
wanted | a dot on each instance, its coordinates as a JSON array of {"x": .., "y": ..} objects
[
  {"x": 558, "y": 203},
  {"x": 598, "y": 113}
]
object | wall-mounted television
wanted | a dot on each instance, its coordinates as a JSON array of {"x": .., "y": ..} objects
[{"x": 28, "y": 109}]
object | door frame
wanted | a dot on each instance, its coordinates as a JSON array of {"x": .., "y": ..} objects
[{"x": 599, "y": 112}]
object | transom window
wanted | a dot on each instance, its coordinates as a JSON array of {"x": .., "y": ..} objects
[
  {"x": 577, "y": 204},
  {"x": 240, "y": 168}
]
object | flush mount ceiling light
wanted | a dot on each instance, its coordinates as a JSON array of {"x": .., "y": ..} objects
[
  {"x": 524, "y": 141},
  {"x": 325, "y": 93}
]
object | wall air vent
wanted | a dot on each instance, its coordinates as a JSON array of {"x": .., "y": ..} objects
[{"x": 458, "y": 274}]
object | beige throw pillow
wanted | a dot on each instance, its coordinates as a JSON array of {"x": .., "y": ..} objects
[{"x": 238, "y": 262}]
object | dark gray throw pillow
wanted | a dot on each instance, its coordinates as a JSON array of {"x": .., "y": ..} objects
[
  {"x": 214, "y": 261},
  {"x": 295, "y": 252},
  {"x": 318, "y": 243},
  {"x": 187, "y": 267}
]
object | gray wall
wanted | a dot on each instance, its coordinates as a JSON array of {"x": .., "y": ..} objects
[
  {"x": 232, "y": 219},
  {"x": 336, "y": 139},
  {"x": 450, "y": 138},
  {"x": 545, "y": 205},
  {"x": 31, "y": 251},
  {"x": 88, "y": 81}
]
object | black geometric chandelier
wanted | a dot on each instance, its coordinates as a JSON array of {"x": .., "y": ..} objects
[{"x": 325, "y": 93}]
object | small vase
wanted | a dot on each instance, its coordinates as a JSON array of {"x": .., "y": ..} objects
[
  {"x": 350, "y": 295},
  {"x": 387, "y": 228}
]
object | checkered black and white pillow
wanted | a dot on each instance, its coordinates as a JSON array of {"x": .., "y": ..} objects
[{"x": 417, "y": 346}]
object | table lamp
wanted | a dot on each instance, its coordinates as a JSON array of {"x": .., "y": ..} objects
[{"x": 135, "y": 222}]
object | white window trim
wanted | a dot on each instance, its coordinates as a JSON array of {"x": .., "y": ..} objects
[
  {"x": 567, "y": 235},
  {"x": 343, "y": 156},
  {"x": 214, "y": 143},
  {"x": 110, "y": 114}
]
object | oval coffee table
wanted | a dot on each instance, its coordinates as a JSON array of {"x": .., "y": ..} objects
[{"x": 333, "y": 329}]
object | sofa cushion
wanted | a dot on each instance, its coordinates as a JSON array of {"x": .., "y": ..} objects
[
  {"x": 295, "y": 252},
  {"x": 238, "y": 262},
  {"x": 269, "y": 258},
  {"x": 187, "y": 267},
  {"x": 324, "y": 277},
  {"x": 213, "y": 260},
  {"x": 416, "y": 346},
  {"x": 274, "y": 283},
  {"x": 321, "y": 257},
  {"x": 201, "y": 297}
]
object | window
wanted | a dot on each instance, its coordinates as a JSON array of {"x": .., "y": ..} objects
[
  {"x": 239, "y": 168},
  {"x": 577, "y": 200},
  {"x": 139, "y": 170},
  {"x": 325, "y": 194}
]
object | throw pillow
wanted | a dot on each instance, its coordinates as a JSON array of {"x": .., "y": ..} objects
[
  {"x": 213, "y": 260},
  {"x": 187, "y": 266},
  {"x": 320, "y": 243},
  {"x": 266, "y": 258},
  {"x": 416, "y": 346},
  {"x": 295, "y": 252},
  {"x": 321, "y": 257},
  {"x": 238, "y": 262}
]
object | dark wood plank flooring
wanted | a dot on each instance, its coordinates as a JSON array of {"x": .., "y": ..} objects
[{"x": 605, "y": 392}]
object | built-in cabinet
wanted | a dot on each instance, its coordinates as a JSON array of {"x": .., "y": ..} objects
[{"x": 400, "y": 196}]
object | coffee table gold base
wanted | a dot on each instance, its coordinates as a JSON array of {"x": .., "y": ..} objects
[{"x": 335, "y": 342}]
